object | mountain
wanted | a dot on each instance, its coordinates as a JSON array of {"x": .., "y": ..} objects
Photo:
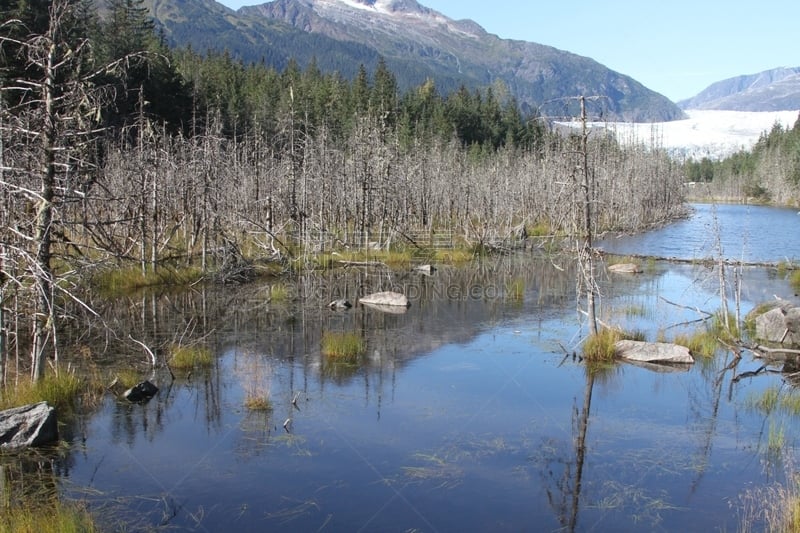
[
  {"x": 772, "y": 90},
  {"x": 417, "y": 43}
]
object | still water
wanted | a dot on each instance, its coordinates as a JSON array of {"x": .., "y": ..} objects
[
  {"x": 742, "y": 233},
  {"x": 468, "y": 412}
]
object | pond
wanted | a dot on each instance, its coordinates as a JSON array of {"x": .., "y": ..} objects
[
  {"x": 471, "y": 411},
  {"x": 748, "y": 233}
]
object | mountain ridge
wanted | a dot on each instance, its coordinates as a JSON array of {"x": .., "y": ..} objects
[
  {"x": 418, "y": 43},
  {"x": 775, "y": 89}
]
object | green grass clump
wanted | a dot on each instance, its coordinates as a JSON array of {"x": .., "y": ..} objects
[
  {"x": 42, "y": 518},
  {"x": 127, "y": 377},
  {"x": 344, "y": 346},
  {"x": 188, "y": 357},
  {"x": 116, "y": 281},
  {"x": 257, "y": 403},
  {"x": 773, "y": 400},
  {"x": 279, "y": 292},
  {"x": 701, "y": 343},
  {"x": 455, "y": 256},
  {"x": 59, "y": 391},
  {"x": 515, "y": 289},
  {"x": 599, "y": 347},
  {"x": 794, "y": 280},
  {"x": 540, "y": 229},
  {"x": 706, "y": 342}
]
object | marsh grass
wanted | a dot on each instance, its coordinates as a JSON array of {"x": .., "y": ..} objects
[
  {"x": 700, "y": 344},
  {"x": 794, "y": 280},
  {"x": 772, "y": 508},
  {"x": 127, "y": 377},
  {"x": 599, "y": 348},
  {"x": 257, "y": 384},
  {"x": 539, "y": 229},
  {"x": 455, "y": 256},
  {"x": 43, "y": 518},
  {"x": 189, "y": 357},
  {"x": 635, "y": 311},
  {"x": 705, "y": 342},
  {"x": 119, "y": 281},
  {"x": 434, "y": 469},
  {"x": 279, "y": 292},
  {"x": 60, "y": 391},
  {"x": 515, "y": 289},
  {"x": 342, "y": 346},
  {"x": 775, "y": 400}
]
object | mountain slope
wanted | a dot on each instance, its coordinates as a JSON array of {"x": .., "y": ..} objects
[
  {"x": 772, "y": 90},
  {"x": 417, "y": 43}
]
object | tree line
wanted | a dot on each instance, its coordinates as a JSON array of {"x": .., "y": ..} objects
[
  {"x": 117, "y": 151},
  {"x": 769, "y": 172}
]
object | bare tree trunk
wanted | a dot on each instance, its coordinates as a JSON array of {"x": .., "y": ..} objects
[
  {"x": 586, "y": 251},
  {"x": 44, "y": 218}
]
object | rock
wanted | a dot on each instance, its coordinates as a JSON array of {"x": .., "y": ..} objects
[
  {"x": 341, "y": 303},
  {"x": 779, "y": 324},
  {"x": 425, "y": 269},
  {"x": 392, "y": 299},
  {"x": 625, "y": 268},
  {"x": 29, "y": 425},
  {"x": 141, "y": 392},
  {"x": 391, "y": 309},
  {"x": 652, "y": 352}
]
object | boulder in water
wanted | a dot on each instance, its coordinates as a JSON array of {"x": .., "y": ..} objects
[
  {"x": 29, "y": 425},
  {"x": 391, "y": 299},
  {"x": 653, "y": 352}
]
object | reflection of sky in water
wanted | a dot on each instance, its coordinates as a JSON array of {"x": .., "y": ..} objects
[
  {"x": 464, "y": 419},
  {"x": 749, "y": 233}
]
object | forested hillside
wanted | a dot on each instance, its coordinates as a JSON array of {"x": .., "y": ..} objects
[
  {"x": 118, "y": 152},
  {"x": 769, "y": 173}
]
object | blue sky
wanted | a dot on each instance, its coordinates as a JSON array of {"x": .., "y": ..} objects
[{"x": 677, "y": 48}]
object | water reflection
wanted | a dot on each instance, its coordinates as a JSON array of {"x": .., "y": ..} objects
[{"x": 463, "y": 412}]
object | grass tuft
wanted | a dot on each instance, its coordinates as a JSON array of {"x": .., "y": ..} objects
[
  {"x": 119, "y": 281},
  {"x": 188, "y": 357},
  {"x": 343, "y": 346},
  {"x": 599, "y": 348},
  {"x": 279, "y": 292},
  {"x": 43, "y": 518},
  {"x": 59, "y": 391},
  {"x": 794, "y": 280},
  {"x": 455, "y": 257},
  {"x": 700, "y": 343},
  {"x": 257, "y": 403},
  {"x": 515, "y": 289}
]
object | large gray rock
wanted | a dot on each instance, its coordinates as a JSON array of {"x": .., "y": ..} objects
[
  {"x": 780, "y": 324},
  {"x": 625, "y": 268},
  {"x": 29, "y": 425},
  {"x": 653, "y": 352},
  {"x": 390, "y": 299}
]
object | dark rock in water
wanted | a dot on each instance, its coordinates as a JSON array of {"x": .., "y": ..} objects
[
  {"x": 141, "y": 392},
  {"x": 341, "y": 303},
  {"x": 29, "y": 425}
]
